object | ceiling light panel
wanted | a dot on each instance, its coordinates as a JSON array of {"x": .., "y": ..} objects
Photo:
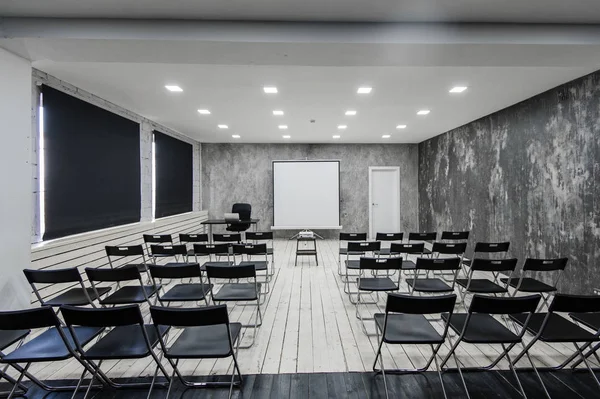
[
  {"x": 270, "y": 89},
  {"x": 204, "y": 112},
  {"x": 223, "y": 126},
  {"x": 458, "y": 89},
  {"x": 364, "y": 90},
  {"x": 174, "y": 88},
  {"x": 423, "y": 112},
  {"x": 350, "y": 112},
  {"x": 278, "y": 112}
]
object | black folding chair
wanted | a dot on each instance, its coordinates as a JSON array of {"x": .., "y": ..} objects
[
  {"x": 212, "y": 249},
  {"x": 449, "y": 249},
  {"x": 375, "y": 283},
  {"x": 387, "y": 237},
  {"x": 343, "y": 248},
  {"x": 361, "y": 248},
  {"x": 156, "y": 239},
  {"x": 425, "y": 238},
  {"x": 230, "y": 238},
  {"x": 133, "y": 252},
  {"x": 128, "y": 338},
  {"x": 183, "y": 292},
  {"x": 531, "y": 285},
  {"x": 488, "y": 248},
  {"x": 455, "y": 236},
  {"x": 206, "y": 334},
  {"x": 79, "y": 296},
  {"x": 266, "y": 237},
  {"x": 433, "y": 285},
  {"x": 552, "y": 327},
  {"x": 479, "y": 326},
  {"x": 237, "y": 292},
  {"x": 7, "y": 339},
  {"x": 591, "y": 321},
  {"x": 400, "y": 249},
  {"x": 404, "y": 323},
  {"x": 472, "y": 285},
  {"x": 252, "y": 252},
  {"x": 54, "y": 344},
  {"x": 179, "y": 253},
  {"x": 123, "y": 295},
  {"x": 201, "y": 238}
]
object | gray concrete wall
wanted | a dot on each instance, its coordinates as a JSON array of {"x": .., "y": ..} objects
[
  {"x": 529, "y": 174},
  {"x": 242, "y": 173}
]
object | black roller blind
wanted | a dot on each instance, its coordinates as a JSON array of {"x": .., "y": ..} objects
[
  {"x": 92, "y": 166},
  {"x": 174, "y": 181}
]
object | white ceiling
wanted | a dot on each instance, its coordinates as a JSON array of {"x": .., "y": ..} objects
[
  {"x": 234, "y": 95},
  {"x": 527, "y": 11}
]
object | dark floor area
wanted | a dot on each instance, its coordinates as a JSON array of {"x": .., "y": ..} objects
[{"x": 488, "y": 385}]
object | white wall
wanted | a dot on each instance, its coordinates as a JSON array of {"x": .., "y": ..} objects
[{"x": 15, "y": 179}]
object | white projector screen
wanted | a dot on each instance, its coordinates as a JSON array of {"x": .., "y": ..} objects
[{"x": 306, "y": 195}]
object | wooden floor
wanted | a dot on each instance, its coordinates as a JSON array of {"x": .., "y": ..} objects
[{"x": 309, "y": 326}]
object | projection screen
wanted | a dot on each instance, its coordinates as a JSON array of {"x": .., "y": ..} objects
[{"x": 306, "y": 195}]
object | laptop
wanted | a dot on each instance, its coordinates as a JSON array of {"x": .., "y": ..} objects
[{"x": 231, "y": 217}]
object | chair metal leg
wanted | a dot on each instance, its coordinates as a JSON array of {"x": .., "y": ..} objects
[
  {"x": 462, "y": 378},
  {"x": 587, "y": 364},
  {"x": 437, "y": 366},
  {"x": 512, "y": 368},
  {"x": 539, "y": 377},
  {"x": 19, "y": 380}
]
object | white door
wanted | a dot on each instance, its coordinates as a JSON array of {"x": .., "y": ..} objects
[{"x": 384, "y": 200}]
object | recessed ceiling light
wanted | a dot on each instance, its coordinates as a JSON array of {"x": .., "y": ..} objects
[
  {"x": 282, "y": 127},
  {"x": 364, "y": 90},
  {"x": 350, "y": 112},
  {"x": 458, "y": 89},
  {"x": 342, "y": 126},
  {"x": 287, "y": 137},
  {"x": 278, "y": 112},
  {"x": 337, "y": 136},
  {"x": 423, "y": 112},
  {"x": 235, "y": 136},
  {"x": 204, "y": 112},
  {"x": 223, "y": 126},
  {"x": 270, "y": 89},
  {"x": 386, "y": 136},
  {"x": 173, "y": 88},
  {"x": 401, "y": 127}
]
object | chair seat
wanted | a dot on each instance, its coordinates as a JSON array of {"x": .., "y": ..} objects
[
  {"x": 407, "y": 329},
  {"x": 49, "y": 345},
  {"x": 426, "y": 251},
  {"x": 483, "y": 329},
  {"x": 76, "y": 297},
  {"x": 238, "y": 292},
  {"x": 383, "y": 251},
  {"x": 481, "y": 285},
  {"x": 558, "y": 328},
  {"x": 376, "y": 284},
  {"x": 142, "y": 267},
  {"x": 204, "y": 342},
  {"x": 408, "y": 265},
  {"x": 429, "y": 285},
  {"x": 9, "y": 337},
  {"x": 175, "y": 264},
  {"x": 159, "y": 255},
  {"x": 186, "y": 292},
  {"x": 344, "y": 251},
  {"x": 259, "y": 265},
  {"x": 353, "y": 264},
  {"x": 125, "y": 342},
  {"x": 130, "y": 294},
  {"x": 529, "y": 285},
  {"x": 590, "y": 320}
]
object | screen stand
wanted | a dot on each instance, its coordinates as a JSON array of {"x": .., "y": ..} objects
[{"x": 305, "y": 231}]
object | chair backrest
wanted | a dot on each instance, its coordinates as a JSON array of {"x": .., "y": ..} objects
[
  {"x": 259, "y": 235},
  {"x": 68, "y": 275},
  {"x": 401, "y": 303},
  {"x": 210, "y": 249},
  {"x": 242, "y": 209},
  {"x": 447, "y": 248},
  {"x": 380, "y": 263},
  {"x": 494, "y": 265},
  {"x": 124, "y": 250},
  {"x": 353, "y": 236},
  {"x": 245, "y": 271},
  {"x": 431, "y": 236},
  {"x": 575, "y": 303},
  {"x": 389, "y": 236},
  {"x": 237, "y": 237},
  {"x": 102, "y": 317},
  {"x": 28, "y": 319},
  {"x": 364, "y": 246},
  {"x": 492, "y": 247},
  {"x": 505, "y": 305},
  {"x": 545, "y": 265},
  {"x": 190, "y": 270},
  {"x": 157, "y": 238},
  {"x": 438, "y": 263},
  {"x": 183, "y": 238},
  {"x": 250, "y": 249},
  {"x": 190, "y": 317},
  {"x": 455, "y": 235},
  {"x": 126, "y": 273},
  {"x": 404, "y": 248},
  {"x": 166, "y": 250}
]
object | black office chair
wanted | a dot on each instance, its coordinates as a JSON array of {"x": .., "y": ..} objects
[
  {"x": 127, "y": 252},
  {"x": 79, "y": 296},
  {"x": 433, "y": 285},
  {"x": 387, "y": 237},
  {"x": 206, "y": 334},
  {"x": 183, "y": 292},
  {"x": 128, "y": 338},
  {"x": 404, "y": 323},
  {"x": 123, "y": 295},
  {"x": 53, "y": 344},
  {"x": 245, "y": 212},
  {"x": 479, "y": 326}
]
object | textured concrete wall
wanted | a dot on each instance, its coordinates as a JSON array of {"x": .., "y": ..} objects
[
  {"x": 529, "y": 174},
  {"x": 243, "y": 173}
]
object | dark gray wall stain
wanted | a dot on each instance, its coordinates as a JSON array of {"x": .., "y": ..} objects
[{"x": 529, "y": 174}]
